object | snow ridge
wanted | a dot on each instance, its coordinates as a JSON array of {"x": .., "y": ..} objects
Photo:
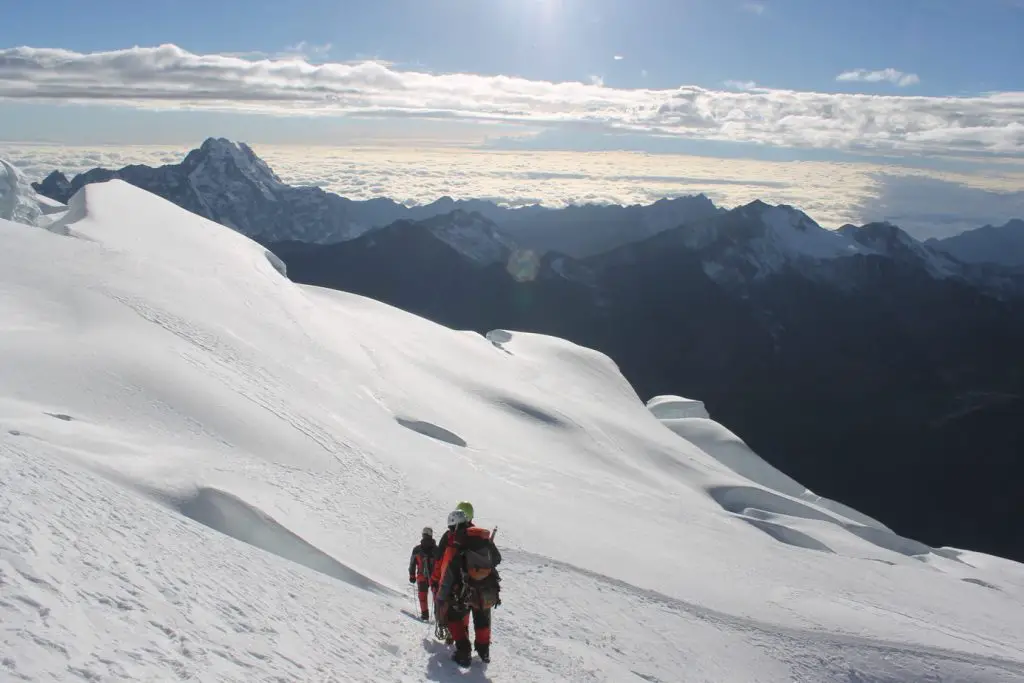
[{"x": 20, "y": 203}]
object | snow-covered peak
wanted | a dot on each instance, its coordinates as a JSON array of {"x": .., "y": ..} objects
[
  {"x": 220, "y": 162},
  {"x": 472, "y": 235},
  {"x": 20, "y": 203},
  {"x": 756, "y": 240},
  {"x": 889, "y": 240},
  {"x": 795, "y": 233}
]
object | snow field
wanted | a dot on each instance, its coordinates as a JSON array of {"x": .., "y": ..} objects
[{"x": 210, "y": 471}]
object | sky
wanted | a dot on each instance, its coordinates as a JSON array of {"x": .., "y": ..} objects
[{"x": 924, "y": 85}]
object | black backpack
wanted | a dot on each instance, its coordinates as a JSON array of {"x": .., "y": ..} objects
[{"x": 480, "y": 574}]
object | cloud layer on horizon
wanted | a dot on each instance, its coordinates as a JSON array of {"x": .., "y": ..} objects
[
  {"x": 169, "y": 77},
  {"x": 831, "y": 193}
]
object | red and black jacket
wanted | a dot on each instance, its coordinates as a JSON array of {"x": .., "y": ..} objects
[{"x": 422, "y": 560}]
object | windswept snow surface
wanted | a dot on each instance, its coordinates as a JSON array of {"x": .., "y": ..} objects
[{"x": 208, "y": 472}]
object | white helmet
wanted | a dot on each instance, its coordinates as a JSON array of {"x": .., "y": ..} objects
[
  {"x": 456, "y": 517},
  {"x": 427, "y": 531}
]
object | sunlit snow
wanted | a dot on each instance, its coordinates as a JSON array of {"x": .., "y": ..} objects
[{"x": 208, "y": 472}]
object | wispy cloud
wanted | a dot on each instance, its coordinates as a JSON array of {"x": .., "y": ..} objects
[
  {"x": 894, "y": 76},
  {"x": 301, "y": 50},
  {"x": 740, "y": 85},
  {"x": 306, "y": 51},
  {"x": 754, "y": 7},
  {"x": 618, "y": 58},
  {"x": 169, "y": 77}
]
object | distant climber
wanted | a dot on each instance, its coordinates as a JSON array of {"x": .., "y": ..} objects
[
  {"x": 468, "y": 585},
  {"x": 421, "y": 568}
]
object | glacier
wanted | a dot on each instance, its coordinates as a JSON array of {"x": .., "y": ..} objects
[{"x": 209, "y": 472}]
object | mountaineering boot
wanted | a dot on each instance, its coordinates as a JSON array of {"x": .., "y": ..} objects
[
  {"x": 484, "y": 650},
  {"x": 425, "y": 615},
  {"x": 462, "y": 654}
]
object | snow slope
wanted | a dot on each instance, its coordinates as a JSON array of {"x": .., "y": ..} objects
[{"x": 208, "y": 472}]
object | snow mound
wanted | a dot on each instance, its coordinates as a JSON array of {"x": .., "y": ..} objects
[
  {"x": 211, "y": 472},
  {"x": 20, "y": 203},
  {"x": 732, "y": 452},
  {"x": 233, "y": 517},
  {"x": 674, "y": 407}
]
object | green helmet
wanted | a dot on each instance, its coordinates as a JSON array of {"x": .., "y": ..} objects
[{"x": 466, "y": 507}]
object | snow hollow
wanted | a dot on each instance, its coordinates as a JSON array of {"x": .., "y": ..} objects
[{"x": 210, "y": 473}]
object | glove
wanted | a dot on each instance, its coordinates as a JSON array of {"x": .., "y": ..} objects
[
  {"x": 433, "y": 587},
  {"x": 412, "y": 579}
]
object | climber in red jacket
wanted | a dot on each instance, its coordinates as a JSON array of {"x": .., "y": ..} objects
[{"x": 421, "y": 569}]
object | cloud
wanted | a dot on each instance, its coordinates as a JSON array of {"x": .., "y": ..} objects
[
  {"x": 754, "y": 7},
  {"x": 168, "y": 77},
  {"x": 935, "y": 207},
  {"x": 301, "y": 50},
  {"x": 894, "y": 76},
  {"x": 740, "y": 85},
  {"x": 306, "y": 51},
  {"x": 618, "y": 58}
]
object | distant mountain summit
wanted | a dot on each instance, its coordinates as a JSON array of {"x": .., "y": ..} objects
[
  {"x": 227, "y": 183},
  {"x": 583, "y": 231},
  {"x": 1000, "y": 245}
]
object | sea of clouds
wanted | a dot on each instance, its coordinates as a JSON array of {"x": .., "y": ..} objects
[{"x": 833, "y": 193}]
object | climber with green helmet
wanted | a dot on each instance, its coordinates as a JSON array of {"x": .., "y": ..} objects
[
  {"x": 435, "y": 578},
  {"x": 468, "y": 585}
]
